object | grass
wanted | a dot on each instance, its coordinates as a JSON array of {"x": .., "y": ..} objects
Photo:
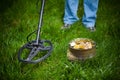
[{"x": 20, "y": 17}]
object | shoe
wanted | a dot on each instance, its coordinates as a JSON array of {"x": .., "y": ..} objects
[
  {"x": 66, "y": 26},
  {"x": 92, "y": 29}
]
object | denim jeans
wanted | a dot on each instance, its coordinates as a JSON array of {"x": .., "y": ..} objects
[{"x": 89, "y": 16}]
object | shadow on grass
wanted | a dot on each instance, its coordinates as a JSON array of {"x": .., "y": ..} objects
[{"x": 5, "y": 4}]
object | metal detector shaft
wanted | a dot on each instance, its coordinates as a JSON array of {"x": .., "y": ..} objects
[{"x": 40, "y": 21}]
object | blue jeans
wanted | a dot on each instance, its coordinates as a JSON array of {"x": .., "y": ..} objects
[{"x": 90, "y": 10}]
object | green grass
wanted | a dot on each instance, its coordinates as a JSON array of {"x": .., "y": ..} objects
[{"x": 20, "y": 17}]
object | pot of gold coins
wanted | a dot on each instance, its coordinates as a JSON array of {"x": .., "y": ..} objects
[{"x": 81, "y": 49}]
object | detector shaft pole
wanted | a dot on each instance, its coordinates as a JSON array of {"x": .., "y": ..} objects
[{"x": 40, "y": 21}]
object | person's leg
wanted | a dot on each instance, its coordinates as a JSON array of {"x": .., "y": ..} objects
[
  {"x": 71, "y": 7},
  {"x": 90, "y": 10}
]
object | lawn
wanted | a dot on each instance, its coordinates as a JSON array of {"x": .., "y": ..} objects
[{"x": 18, "y": 18}]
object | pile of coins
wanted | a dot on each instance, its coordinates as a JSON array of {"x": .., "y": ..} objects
[{"x": 81, "y": 44}]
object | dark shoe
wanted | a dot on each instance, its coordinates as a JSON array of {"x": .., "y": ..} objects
[
  {"x": 91, "y": 29},
  {"x": 66, "y": 26}
]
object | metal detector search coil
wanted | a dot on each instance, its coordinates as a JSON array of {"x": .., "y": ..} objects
[{"x": 36, "y": 47}]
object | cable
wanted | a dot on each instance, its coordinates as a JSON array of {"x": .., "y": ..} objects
[
  {"x": 35, "y": 30},
  {"x": 30, "y": 35}
]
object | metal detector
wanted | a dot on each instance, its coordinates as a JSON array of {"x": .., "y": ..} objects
[{"x": 38, "y": 49}]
